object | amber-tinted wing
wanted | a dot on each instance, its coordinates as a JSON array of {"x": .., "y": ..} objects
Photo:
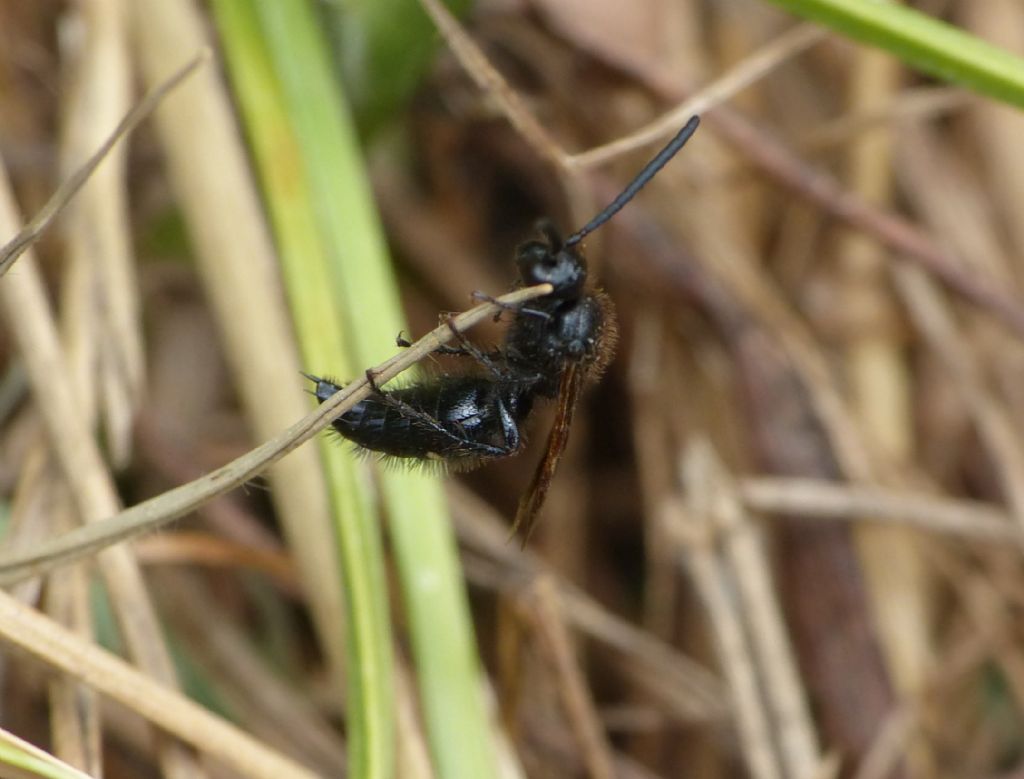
[{"x": 529, "y": 505}]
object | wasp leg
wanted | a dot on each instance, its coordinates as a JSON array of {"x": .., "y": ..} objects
[
  {"x": 461, "y": 444},
  {"x": 517, "y": 308},
  {"x": 452, "y": 351},
  {"x": 492, "y": 360},
  {"x": 465, "y": 444},
  {"x": 403, "y": 408}
]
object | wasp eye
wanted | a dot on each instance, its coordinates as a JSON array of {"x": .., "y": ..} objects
[{"x": 533, "y": 255}]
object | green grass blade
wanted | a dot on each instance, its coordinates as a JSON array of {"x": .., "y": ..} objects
[
  {"x": 24, "y": 759},
  {"x": 448, "y": 670},
  {"x": 923, "y": 42},
  {"x": 319, "y": 326}
]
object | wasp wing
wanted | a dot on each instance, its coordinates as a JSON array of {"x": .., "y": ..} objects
[{"x": 529, "y": 505}]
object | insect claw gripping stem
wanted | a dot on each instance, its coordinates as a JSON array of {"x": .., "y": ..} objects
[
  {"x": 371, "y": 379},
  {"x": 515, "y": 308},
  {"x": 466, "y": 348},
  {"x": 482, "y": 297}
]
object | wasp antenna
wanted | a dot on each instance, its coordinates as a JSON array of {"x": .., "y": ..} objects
[{"x": 649, "y": 171}]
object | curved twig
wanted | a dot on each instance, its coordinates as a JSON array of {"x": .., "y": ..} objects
[{"x": 156, "y": 512}]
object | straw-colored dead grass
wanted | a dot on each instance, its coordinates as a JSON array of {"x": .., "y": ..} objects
[{"x": 786, "y": 539}]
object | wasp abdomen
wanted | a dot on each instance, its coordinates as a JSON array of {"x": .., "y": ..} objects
[{"x": 454, "y": 418}]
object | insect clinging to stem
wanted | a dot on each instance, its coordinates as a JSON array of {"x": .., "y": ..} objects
[{"x": 554, "y": 344}]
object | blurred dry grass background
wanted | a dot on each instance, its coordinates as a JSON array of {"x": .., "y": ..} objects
[{"x": 786, "y": 539}]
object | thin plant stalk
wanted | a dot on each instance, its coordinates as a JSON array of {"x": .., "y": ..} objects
[
  {"x": 447, "y": 665},
  {"x": 318, "y": 324}
]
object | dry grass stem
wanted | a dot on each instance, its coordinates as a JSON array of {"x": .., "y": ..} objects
[
  {"x": 98, "y": 231},
  {"x": 881, "y": 387},
  {"x": 786, "y": 534},
  {"x": 60, "y": 649},
  {"x": 74, "y": 708},
  {"x": 210, "y": 550},
  {"x": 885, "y": 754},
  {"x": 905, "y": 239},
  {"x": 747, "y": 557},
  {"x": 813, "y": 498},
  {"x": 29, "y": 234},
  {"x": 28, "y": 312},
  {"x": 751, "y": 69},
  {"x": 97, "y": 327},
  {"x": 995, "y": 425},
  {"x": 542, "y": 607},
  {"x": 267, "y": 705},
  {"x": 730, "y": 543},
  {"x": 158, "y": 511},
  {"x": 696, "y": 539},
  {"x": 647, "y": 375},
  {"x": 683, "y": 686},
  {"x": 209, "y": 171},
  {"x": 908, "y": 105},
  {"x": 493, "y": 83}
]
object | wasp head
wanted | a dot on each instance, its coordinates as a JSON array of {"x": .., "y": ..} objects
[{"x": 550, "y": 261}]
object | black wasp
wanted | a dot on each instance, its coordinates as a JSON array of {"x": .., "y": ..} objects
[{"x": 554, "y": 344}]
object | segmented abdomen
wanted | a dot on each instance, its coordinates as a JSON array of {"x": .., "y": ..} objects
[{"x": 450, "y": 418}]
